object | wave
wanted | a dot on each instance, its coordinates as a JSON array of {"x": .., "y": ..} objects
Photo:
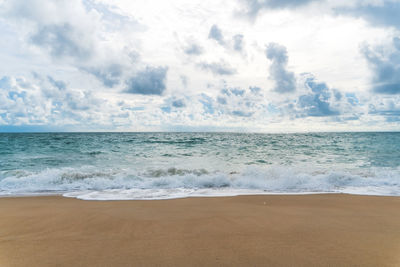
[{"x": 112, "y": 184}]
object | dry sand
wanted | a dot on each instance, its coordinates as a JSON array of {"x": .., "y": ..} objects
[{"x": 307, "y": 230}]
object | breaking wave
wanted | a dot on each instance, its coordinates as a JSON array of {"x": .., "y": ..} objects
[{"x": 118, "y": 184}]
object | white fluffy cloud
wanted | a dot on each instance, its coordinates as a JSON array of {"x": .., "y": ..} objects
[{"x": 199, "y": 65}]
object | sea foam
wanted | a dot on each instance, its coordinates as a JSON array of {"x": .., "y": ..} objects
[{"x": 119, "y": 184}]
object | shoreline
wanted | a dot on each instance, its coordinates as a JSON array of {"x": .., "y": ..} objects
[
  {"x": 257, "y": 230},
  {"x": 63, "y": 195}
]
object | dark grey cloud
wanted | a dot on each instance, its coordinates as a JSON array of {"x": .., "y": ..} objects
[
  {"x": 193, "y": 49},
  {"x": 179, "y": 103},
  {"x": 317, "y": 102},
  {"x": 238, "y": 42},
  {"x": 109, "y": 75},
  {"x": 385, "y": 67},
  {"x": 216, "y": 34},
  {"x": 382, "y": 14},
  {"x": 61, "y": 85},
  {"x": 217, "y": 68},
  {"x": 285, "y": 81},
  {"x": 150, "y": 81},
  {"x": 253, "y": 7},
  {"x": 61, "y": 41}
]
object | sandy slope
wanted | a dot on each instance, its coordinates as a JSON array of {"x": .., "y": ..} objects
[{"x": 309, "y": 230}]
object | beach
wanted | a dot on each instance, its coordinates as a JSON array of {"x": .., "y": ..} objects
[{"x": 264, "y": 230}]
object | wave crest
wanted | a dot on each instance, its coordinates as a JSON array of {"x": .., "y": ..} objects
[{"x": 91, "y": 183}]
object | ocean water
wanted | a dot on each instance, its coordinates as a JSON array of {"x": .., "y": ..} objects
[{"x": 113, "y": 166}]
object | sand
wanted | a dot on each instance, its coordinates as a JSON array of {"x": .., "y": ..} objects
[{"x": 302, "y": 230}]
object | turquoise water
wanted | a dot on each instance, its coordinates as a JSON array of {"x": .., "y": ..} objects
[{"x": 168, "y": 165}]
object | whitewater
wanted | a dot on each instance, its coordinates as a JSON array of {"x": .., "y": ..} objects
[{"x": 123, "y": 166}]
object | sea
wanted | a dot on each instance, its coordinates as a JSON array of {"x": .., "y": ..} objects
[{"x": 123, "y": 166}]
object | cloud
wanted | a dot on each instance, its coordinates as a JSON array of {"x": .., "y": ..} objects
[
  {"x": 80, "y": 100},
  {"x": 233, "y": 91},
  {"x": 239, "y": 102},
  {"x": 179, "y": 103},
  {"x": 112, "y": 15},
  {"x": 388, "y": 107},
  {"x": 193, "y": 49},
  {"x": 48, "y": 102},
  {"x": 238, "y": 42},
  {"x": 5, "y": 82},
  {"x": 255, "y": 89},
  {"x": 184, "y": 80},
  {"x": 385, "y": 64},
  {"x": 317, "y": 103},
  {"x": 77, "y": 33},
  {"x": 61, "y": 85},
  {"x": 253, "y": 7},
  {"x": 81, "y": 48},
  {"x": 382, "y": 13},
  {"x": 109, "y": 75},
  {"x": 61, "y": 28},
  {"x": 207, "y": 103},
  {"x": 63, "y": 40},
  {"x": 216, "y": 34},
  {"x": 241, "y": 113},
  {"x": 285, "y": 81},
  {"x": 150, "y": 81},
  {"x": 217, "y": 68},
  {"x": 221, "y": 100}
]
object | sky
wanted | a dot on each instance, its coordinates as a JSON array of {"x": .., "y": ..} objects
[{"x": 200, "y": 65}]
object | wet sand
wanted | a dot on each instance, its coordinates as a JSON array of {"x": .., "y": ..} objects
[{"x": 302, "y": 230}]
